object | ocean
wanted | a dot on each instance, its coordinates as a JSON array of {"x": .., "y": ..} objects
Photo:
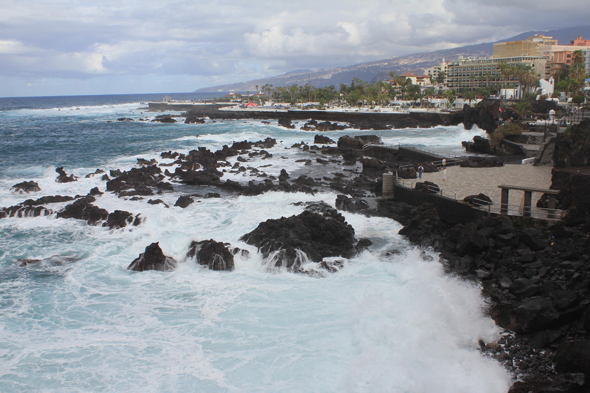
[{"x": 390, "y": 320}]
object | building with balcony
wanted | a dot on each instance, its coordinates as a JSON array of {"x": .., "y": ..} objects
[
  {"x": 476, "y": 73},
  {"x": 434, "y": 72},
  {"x": 532, "y": 46}
]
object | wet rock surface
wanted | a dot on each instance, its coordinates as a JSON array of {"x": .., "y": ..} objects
[
  {"x": 319, "y": 232},
  {"x": 215, "y": 255},
  {"x": 538, "y": 282},
  {"x": 26, "y": 187},
  {"x": 153, "y": 258},
  {"x": 63, "y": 176}
]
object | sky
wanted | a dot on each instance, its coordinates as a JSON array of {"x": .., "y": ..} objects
[{"x": 75, "y": 47}]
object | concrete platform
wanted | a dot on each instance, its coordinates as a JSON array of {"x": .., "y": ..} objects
[{"x": 461, "y": 182}]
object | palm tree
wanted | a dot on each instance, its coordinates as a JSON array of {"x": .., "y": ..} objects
[
  {"x": 522, "y": 108},
  {"x": 403, "y": 84},
  {"x": 450, "y": 96},
  {"x": 440, "y": 78},
  {"x": 470, "y": 96}
]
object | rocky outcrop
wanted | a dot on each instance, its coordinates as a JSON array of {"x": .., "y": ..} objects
[
  {"x": 319, "y": 232},
  {"x": 353, "y": 205},
  {"x": 83, "y": 209},
  {"x": 322, "y": 140},
  {"x": 25, "y": 187},
  {"x": 574, "y": 184},
  {"x": 153, "y": 258},
  {"x": 213, "y": 254},
  {"x": 537, "y": 280},
  {"x": 137, "y": 181},
  {"x": 478, "y": 200},
  {"x": 120, "y": 219},
  {"x": 427, "y": 186},
  {"x": 63, "y": 176},
  {"x": 194, "y": 120},
  {"x": 184, "y": 201},
  {"x": 164, "y": 119},
  {"x": 479, "y": 145},
  {"x": 313, "y": 125}
]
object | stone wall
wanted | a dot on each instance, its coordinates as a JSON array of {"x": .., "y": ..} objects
[{"x": 449, "y": 210}]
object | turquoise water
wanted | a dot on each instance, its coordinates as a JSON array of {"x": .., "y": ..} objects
[{"x": 384, "y": 323}]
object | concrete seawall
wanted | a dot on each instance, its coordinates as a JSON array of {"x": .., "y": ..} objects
[{"x": 361, "y": 120}]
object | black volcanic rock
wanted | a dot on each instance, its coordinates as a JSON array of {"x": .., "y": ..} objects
[
  {"x": 152, "y": 259},
  {"x": 184, "y": 201},
  {"x": 83, "y": 209},
  {"x": 164, "y": 119},
  {"x": 63, "y": 176},
  {"x": 479, "y": 145},
  {"x": 286, "y": 123},
  {"x": 573, "y": 357},
  {"x": 320, "y": 231},
  {"x": 135, "y": 181},
  {"x": 427, "y": 186},
  {"x": 478, "y": 200},
  {"x": 353, "y": 205},
  {"x": 120, "y": 219},
  {"x": 323, "y": 140},
  {"x": 26, "y": 187},
  {"x": 213, "y": 254}
]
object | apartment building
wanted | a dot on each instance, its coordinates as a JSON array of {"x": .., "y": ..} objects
[
  {"x": 474, "y": 73},
  {"x": 532, "y": 46},
  {"x": 435, "y": 71}
]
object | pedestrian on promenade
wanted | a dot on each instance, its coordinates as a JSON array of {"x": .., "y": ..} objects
[
  {"x": 420, "y": 170},
  {"x": 444, "y": 173}
]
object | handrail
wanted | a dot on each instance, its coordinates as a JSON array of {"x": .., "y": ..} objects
[{"x": 496, "y": 208}]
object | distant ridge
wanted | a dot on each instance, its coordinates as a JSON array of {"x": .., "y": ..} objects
[{"x": 379, "y": 69}]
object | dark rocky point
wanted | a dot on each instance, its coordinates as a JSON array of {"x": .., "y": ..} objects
[
  {"x": 153, "y": 259},
  {"x": 213, "y": 254},
  {"x": 26, "y": 187}
]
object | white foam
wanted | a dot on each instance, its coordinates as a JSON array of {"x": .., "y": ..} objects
[{"x": 390, "y": 320}]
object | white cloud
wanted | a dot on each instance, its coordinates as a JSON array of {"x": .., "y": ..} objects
[{"x": 231, "y": 41}]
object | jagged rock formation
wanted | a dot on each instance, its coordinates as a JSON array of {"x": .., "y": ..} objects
[
  {"x": 213, "y": 254},
  {"x": 319, "y": 232},
  {"x": 152, "y": 259}
]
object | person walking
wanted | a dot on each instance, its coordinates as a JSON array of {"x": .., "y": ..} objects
[{"x": 420, "y": 170}]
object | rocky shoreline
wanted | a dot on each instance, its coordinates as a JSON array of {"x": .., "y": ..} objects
[{"x": 536, "y": 277}]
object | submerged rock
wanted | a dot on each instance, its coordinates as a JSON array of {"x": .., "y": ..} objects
[
  {"x": 213, "y": 254},
  {"x": 54, "y": 260},
  {"x": 152, "y": 259}
]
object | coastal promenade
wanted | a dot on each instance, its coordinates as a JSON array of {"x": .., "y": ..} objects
[{"x": 461, "y": 182}]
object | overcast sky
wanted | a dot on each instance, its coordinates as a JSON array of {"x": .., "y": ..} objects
[{"x": 74, "y": 47}]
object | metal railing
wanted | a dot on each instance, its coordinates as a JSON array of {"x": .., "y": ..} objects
[
  {"x": 491, "y": 207},
  {"x": 520, "y": 210}
]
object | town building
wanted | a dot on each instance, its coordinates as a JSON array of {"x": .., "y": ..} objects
[
  {"x": 435, "y": 71},
  {"x": 476, "y": 73},
  {"x": 578, "y": 41},
  {"x": 532, "y": 46}
]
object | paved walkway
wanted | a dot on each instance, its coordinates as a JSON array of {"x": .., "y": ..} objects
[{"x": 462, "y": 182}]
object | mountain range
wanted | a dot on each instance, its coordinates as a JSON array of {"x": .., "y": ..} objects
[{"x": 379, "y": 69}]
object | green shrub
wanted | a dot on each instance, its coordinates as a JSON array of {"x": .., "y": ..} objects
[
  {"x": 579, "y": 99},
  {"x": 503, "y": 131}
]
